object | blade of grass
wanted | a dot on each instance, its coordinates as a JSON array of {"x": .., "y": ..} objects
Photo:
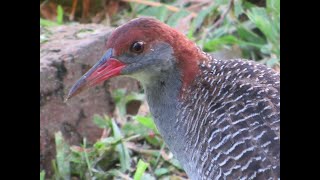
[
  {"x": 87, "y": 157},
  {"x": 121, "y": 99},
  {"x": 62, "y": 161},
  {"x": 249, "y": 36},
  {"x": 55, "y": 169},
  {"x": 157, "y": 4},
  {"x": 176, "y": 163},
  {"x": 161, "y": 171},
  {"x": 47, "y": 23},
  {"x": 141, "y": 168},
  {"x": 99, "y": 121},
  {"x": 238, "y": 8},
  {"x": 121, "y": 148},
  {"x": 160, "y": 12},
  {"x": 175, "y": 17},
  {"x": 59, "y": 14},
  {"x": 147, "y": 122},
  {"x": 217, "y": 43},
  {"x": 196, "y": 23},
  {"x": 274, "y": 6},
  {"x": 42, "y": 175},
  {"x": 158, "y": 157},
  {"x": 261, "y": 19}
]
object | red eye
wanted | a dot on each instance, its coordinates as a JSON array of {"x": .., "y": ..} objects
[{"x": 137, "y": 47}]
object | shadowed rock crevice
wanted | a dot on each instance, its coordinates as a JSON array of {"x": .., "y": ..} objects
[
  {"x": 108, "y": 97},
  {"x": 61, "y": 71},
  {"x": 70, "y": 132},
  {"x": 81, "y": 117}
]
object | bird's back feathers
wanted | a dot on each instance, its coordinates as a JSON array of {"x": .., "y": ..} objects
[{"x": 231, "y": 119}]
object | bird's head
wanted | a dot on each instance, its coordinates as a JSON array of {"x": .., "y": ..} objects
[{"x": 143, "y": 48}]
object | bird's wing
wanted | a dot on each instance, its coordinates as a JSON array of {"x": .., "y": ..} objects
[{"x": 238, "y": 128}]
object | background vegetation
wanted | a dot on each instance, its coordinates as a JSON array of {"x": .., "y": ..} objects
[{"x": 130, "y": 147}]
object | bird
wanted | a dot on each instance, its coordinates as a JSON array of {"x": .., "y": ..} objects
[{"x": 219, "y": 118}]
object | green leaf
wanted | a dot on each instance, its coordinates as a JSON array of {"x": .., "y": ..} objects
[
  {"x": 155, "y": 141},
  {"x": 121, "y": 99},
  {"x": 176, "y": 163},
  {"x": 55, "y": 169},
  {"x": 138, "y": 7},
  {"x": 87, "y": 157},
  {"x": 238, "y": 8},
  {"x": 160, "y": 12},
  {"x": 175, "y": 17},
  {"x": 249, "y": 36},
  {"x": 271, "y": 62},
  {"x": 148, "y": 126},
  {"x": 121, "y": 148},
  {"x": 266, "y": 49},
  {"x": 147, "y": 122},
  {"x": 59, "y": 14},
  {"x": 223, "y": 30},
  {"x": 100, "y": 121},
  {"x": 106, "y": 142},
  {"x": 274, "y": 6},
  {"x": 248, "y": 5},
  {"x": 215, "y": 44},
  {"x": 196, "y": 23},
  {"x": 147, "y": 176},
  {"x": 273, "y": 9},
  {"x": 130, "y": 129},
  {"x": 118, "y": 94},
  {"x": 252, "y": 44},
  {"x": 42, "y": 175},
  {"x": 161, "y": 171},
  {"x": 190, "y": 33},
  {"x": 261, "y": 19},
  {"x": 63, "y": 162},
  {"x": 141, "y": 168},
  {"x": 111, "y": 141},
  {"x": 221, "y": 2},
  {"x": 133, "y": 96},
  {"x": 47, "y": 23}
]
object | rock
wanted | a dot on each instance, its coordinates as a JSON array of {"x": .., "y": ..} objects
[{"x": 68, "y": 52}]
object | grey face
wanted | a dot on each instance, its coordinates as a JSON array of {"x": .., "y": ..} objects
[{"x": 149, "y": 64}]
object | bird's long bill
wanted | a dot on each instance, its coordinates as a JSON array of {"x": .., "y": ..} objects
[{"x": 104, "y": 69}]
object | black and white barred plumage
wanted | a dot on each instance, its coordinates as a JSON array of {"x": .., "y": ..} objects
[{"x": 231, "y": 120}]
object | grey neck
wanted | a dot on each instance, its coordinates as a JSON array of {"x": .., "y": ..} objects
[{"x": 162, "y": 95}]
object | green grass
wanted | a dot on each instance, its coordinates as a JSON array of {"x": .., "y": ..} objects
[
  {"x": 59, "y": 19},
  {"x": 132, "y": 149},
  {"x": 256, "y": 30},
  {"x": 42, "y": 175},
  {"x": 141, "y": 167}
]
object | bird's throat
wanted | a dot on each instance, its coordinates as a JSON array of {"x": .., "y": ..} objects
[{"x": 162, "y": 96}]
